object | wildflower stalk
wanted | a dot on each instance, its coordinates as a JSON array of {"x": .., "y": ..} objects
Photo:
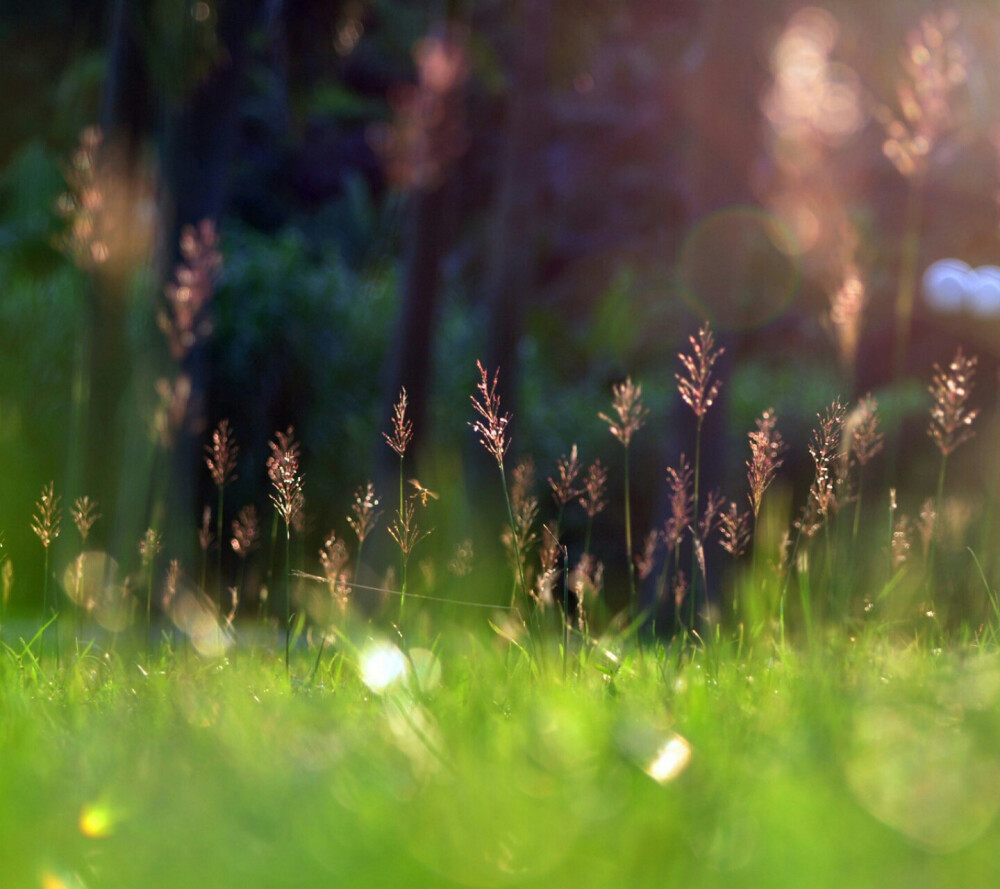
[
  {"x": 517, "y": 548},
  {"x": 592, "y": 498},
  {"x": 824, "y": 448},
  {"x": 283, "y": 470},
  {"x": 149, "y": 547},
  {"x": 766, "y": 448},
  {"x": 492, "y": 431},
  {"x": 951, "y": 418},
  {"x": 699, "y": 391},
  {"x": 402, "y": 434},
  {"x": 47, "y": 523},
  {"x": 220, "y": 458},
  {"x": 627, "y": 404},
  {"x": 364, "y": 514},
  {"x": 288, "y": 597},
  {"x": 866, "y": 442},
  {"x": 694, "y": 524}
]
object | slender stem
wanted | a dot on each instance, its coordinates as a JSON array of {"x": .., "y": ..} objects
[
  {"x": 288, "y": 598},
  {"x": 272, "y": 546},
  {"x": 586, "y": 538},
  {"x": 402, "y": 596},
  {"x": 628, "y": 542},
  {"x": 218, "y": 557},
  {"x": 513, "y": 534},
  {"x": 565, "y": 555},
  {"x": 857, "y": 510},
  {"x": 403, "y": 555},
  {"x": 792, "y": 560},
  {"x": 357, "y": 560},
  {"x": 827, "y": 567},
  {"x": 149, "y": 601},
  {"x": 888, "y": 548},
  {"x": 693, "y": 591},
  {"x": 754, "y": 545},
  {"x": 47, "y": 609},
  {"x": 939, "y": 497}
]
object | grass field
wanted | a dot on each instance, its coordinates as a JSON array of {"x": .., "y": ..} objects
[
  {"x": 860, "y": 762},
  {"x": 833, "y": 720}
]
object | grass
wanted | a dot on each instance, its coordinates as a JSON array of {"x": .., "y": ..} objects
[
  {"x": 826, "y": 712},
  {"x": 526, "y": 745},
  {"x": 865, "y": 758}
]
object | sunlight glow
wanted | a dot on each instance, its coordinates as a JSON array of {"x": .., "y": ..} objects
[
  {"x": 671, "y": 759},
  {"x": 96, "y": 821},
  {"x": 382, "y": 666},
  {"x": 923, "y": 776}
]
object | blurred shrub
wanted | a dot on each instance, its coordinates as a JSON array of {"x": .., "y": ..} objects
[{"x": 300, "y": 339}]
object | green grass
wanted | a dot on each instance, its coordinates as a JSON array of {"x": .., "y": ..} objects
[{"x": 862, "y": 763}]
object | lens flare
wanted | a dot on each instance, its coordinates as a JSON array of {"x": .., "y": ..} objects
[
  {"x": 382, "y": 666},
  {"x": 670, "y": 760}
]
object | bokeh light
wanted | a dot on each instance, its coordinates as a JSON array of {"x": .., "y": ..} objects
[
  {"x": 383, "y": 666},
  {"x": 738, "y": 269}
]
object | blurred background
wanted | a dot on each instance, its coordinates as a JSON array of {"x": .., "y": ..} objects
[{"x": 384, "y": 192}]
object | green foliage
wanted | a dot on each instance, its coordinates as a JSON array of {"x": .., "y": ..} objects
[
  {"x": 298, "y": 339},
  {"x": 477, "y": 766}
]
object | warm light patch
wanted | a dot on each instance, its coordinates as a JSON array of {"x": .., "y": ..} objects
[
  {"x": 51, "y": 880},
  {"x": 382, "y": 666},
  {"x": 670, "y": 760},
  {"x": 96, "y": 821}
]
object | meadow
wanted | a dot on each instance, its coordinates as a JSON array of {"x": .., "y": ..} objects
[
  {"x": 832, "y": 716},
  {"x": 734, "y": 623}
]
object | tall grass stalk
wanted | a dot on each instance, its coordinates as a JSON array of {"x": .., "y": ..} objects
[
  {"x": 364, "y": 515},
  {"x": 492, "y": 431},
  {"x": 288, "y": 500},
  {"x": 695, "y": 543},
  {"x": 47, "y": 523},
  {"x": 951, "y": 418},
  {"x": 699, "y": 391},
  {"x": 221, "y": 455},
  {"x": 399, "y": 440},
  {"x": 631, "y": 416},
  {"x": 149, "y": 547},
  {"x": 593, "y": 499}
]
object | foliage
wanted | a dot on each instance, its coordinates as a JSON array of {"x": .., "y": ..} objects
[
  {"x": 478, "y": 765},
  {"x": 299, "y": 337}
]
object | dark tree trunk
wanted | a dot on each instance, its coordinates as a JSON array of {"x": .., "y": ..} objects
[
  {"x": 512, "y": 262},
  {"x": 192, "y": 131}
]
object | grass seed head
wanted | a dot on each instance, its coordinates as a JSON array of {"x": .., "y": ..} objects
[
  {"x": 364, "y": 511},
  {"x": 564, "y": 487},
  {"x": 404, "y": 529},
  {"x": 150, "y": 547},
  {"x": 221, "y": 455},
  {"x": 84, "y": 513},
  {"x": 283, "y": 470},
  {"x": 205, "y": 536},
  {"x": 402, "y": 428},
  {"x": 951, "y": 418},
  {"x": 627, "y": 404},
  {"x": 492, "y": 427},
  {"x": 766, "y": 448},
  {"x": 867, "y": 440},
  {"x": 698, "y": 389},
  {"x": 47, "y": 521},
  {"x": 595, "y": 487},
  {"x": 734, "y": 530},
  {"x": 681, "y": 482},
  {"x": 246, "y": 531}
]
